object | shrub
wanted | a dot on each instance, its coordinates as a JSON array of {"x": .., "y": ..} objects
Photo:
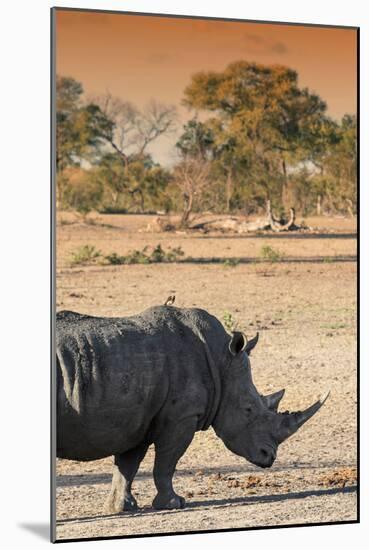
[
  {"x": 228, "y": 321},
  {"x": 171, "y": 255},
  {"x": 231, "y": 262},
  {"x": 271, "y": 254},
  {"x": 82, "y": 192},
  {"x": 84, "y": 254},
  {"x": 157, "y": 255}
]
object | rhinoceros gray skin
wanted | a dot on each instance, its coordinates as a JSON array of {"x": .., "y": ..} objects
[{"x": 158, "y": 377}]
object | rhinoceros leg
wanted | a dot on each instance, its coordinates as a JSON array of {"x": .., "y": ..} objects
[
  {"x": 125, "y": 468},
  {"x": 168, "y": 450}
]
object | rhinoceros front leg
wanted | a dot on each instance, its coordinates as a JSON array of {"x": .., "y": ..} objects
[
  {"x": 126, "y": 465},
  {"x": 168, "y": 450}
]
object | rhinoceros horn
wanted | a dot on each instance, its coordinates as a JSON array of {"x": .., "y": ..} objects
[
  {"x": 273, "y": 399},
  {"x": 291, "y": 422}
]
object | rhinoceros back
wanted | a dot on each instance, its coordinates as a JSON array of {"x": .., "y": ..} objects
[{"x": 115, "y": 374}]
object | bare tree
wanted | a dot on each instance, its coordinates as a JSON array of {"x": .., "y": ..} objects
[
  {"x": 124, "y": 116},
  {"x": 155, "y": 120},
  {"x": 134, "y": 130},
  {"x": 192, "y": 177}
]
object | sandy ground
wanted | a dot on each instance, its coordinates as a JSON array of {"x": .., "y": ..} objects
[{"x": 306, "y": 316}]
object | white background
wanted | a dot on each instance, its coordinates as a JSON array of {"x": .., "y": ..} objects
[{"x": 25, "y": 281}]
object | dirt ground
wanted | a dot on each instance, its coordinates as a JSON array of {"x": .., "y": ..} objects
[{"x": 305, "y": 312}]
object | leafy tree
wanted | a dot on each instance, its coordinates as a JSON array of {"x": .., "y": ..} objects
[
  {"x": 341, "y": 162},
  {"x": 154, "y": 181},
  {"x": 79, "y": 128},
  {"x": 83, "y": 191},
  {"x": 145, "y": 180},
  {"x": 263, "y": 113},
  {"x": 207, "y": 141},
  {"x": 264, "y": 138},
  {"x": 110, "y": 172},
  {"x": 328, "y": 181},
  {"x": 197, "y": 140}
]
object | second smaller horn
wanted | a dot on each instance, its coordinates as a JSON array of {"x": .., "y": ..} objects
[{"x": 272, "y": 400}]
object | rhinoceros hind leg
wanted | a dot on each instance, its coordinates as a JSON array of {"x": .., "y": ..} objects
[
  {"x": 163, "y": 502},
  {"x": 168, "y": 450},
  {"x": 120, "y": 498}
]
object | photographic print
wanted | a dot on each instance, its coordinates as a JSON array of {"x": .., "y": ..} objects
[{"x": 205, "y": 215}]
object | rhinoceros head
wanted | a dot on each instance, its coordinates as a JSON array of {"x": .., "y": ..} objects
[{"x": 249, "y": 423}]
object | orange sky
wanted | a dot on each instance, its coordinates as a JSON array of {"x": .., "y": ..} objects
[{"x": 141, "y": 57}]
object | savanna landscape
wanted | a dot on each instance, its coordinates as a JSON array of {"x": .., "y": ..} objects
[
  {"x": 237, "y": 196},
  {"x": 305, "y": 312}
]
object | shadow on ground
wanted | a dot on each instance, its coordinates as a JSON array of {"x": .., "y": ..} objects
[
  {"x": 284, "y": 235},
  {"x": 243, "y": 501},
  {"x": 73, "y": 480}
]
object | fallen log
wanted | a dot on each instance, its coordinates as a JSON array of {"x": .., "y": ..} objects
[
  {"x": 281, "y": 225},
  {"x": 232, "y": 224}
]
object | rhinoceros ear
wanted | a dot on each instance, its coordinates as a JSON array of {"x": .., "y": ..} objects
[
  {"x": 237, "y": 343},
  {"x": 251, "y": 344}
]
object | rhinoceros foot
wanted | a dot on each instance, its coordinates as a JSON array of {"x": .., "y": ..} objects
[
  {"x": 173, "y": 502},
  {"x": 127, "y": 504}
]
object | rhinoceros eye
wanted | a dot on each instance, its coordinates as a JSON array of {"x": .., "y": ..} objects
[{"x": 245, "y": 404}]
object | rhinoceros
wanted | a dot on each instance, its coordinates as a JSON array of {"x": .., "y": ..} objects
[{"x": 157, "y": 378}]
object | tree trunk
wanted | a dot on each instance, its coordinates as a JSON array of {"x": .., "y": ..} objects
[
  {"x": 349, "y": 207},
  {"x": 59, "y": 184},
  {"x": 187, "y": 209},
  {"x": 58, "y": 195},
  {"x": 285, "y": 186},
  {"x": 229, "y": 185},
  {"x": 122, "y": 156},
  {"x": 319, "y": 205},
  {"x": 138, "y": 191}
]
